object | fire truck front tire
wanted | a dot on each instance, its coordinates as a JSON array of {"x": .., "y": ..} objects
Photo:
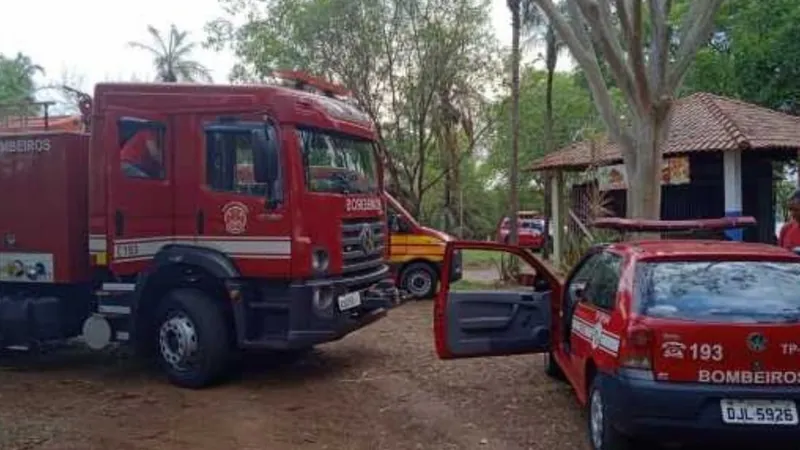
[
  {"x": 192, "y": 339},
  {"x": 420, "y": 279}
]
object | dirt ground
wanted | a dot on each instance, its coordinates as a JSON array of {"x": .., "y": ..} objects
[{"x": 380, "y": 388}]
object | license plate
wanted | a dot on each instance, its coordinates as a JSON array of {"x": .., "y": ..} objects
[
  {"x": 349, "y": 300},
  {"x": 759, "y": 412}
]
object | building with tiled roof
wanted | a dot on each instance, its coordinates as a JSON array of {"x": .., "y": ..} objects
[{"x": 726, "y": 149}]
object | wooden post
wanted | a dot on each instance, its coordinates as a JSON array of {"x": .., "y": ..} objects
[{"x": 557, "y": 220}]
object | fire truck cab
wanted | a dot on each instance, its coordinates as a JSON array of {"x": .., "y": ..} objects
[
  {"x": 196, "y": 220},
  {"x": 674, "y": 340}
]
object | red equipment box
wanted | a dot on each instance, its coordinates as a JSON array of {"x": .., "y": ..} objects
[{"x": 44, "y": 207}]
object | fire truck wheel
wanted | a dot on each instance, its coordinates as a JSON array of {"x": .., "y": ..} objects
[
  {"x": 602, "y": 434},
  {"x": 551, "y": 368},
  {"x": 420, "y": 279},
  {"x": 192, "y": 339}
]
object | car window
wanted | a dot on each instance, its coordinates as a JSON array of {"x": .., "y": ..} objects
[
  {"x": 729, "y": 291},
  {"x": 604, "y": 282},
  {"x": 581, "y": 277},
  {"x": 586, "y": 269}
]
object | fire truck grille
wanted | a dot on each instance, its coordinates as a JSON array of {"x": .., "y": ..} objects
[{"x": 363, "y": 243}]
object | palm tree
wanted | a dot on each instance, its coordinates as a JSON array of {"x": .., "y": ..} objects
[
  {"x": 171, "y": 56},
  {"x": 515, "y": 6},
  {"x": 540, "y": 29}
]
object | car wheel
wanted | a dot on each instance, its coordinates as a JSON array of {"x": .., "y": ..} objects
[
  {"x": 602, "y": 434},
  {"x": 420, "y": 280},
  {"x": 192, "y": 339},
  {"x": 551, "y": 367}
]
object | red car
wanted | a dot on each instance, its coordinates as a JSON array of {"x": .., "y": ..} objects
[
  {"x": 530, "y": 230},
  {"x": 682, "y": 341}
]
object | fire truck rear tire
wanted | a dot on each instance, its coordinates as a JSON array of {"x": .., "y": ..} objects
[
  {"x": 602, "y": 433},
  {"x": 192, "y": 342}
]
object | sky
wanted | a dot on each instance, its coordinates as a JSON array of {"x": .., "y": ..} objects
[{"x": 86, "y": 40}]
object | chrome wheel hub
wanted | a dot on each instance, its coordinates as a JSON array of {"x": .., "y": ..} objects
[
  {"x": 419, "y": 283},
  {"x": 177, "y": 340},
  {"x": 596, "y": 419}
]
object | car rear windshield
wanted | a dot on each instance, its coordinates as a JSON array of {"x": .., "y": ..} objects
[
  {"x": 720, "y": 291},
  {"x": 532, "y": 224}
]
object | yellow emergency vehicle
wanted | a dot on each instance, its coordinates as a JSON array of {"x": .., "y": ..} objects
[{"x": 417, "y": 252}]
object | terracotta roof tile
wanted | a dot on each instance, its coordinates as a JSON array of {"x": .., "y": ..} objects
[{"x": 700, "y": 122}]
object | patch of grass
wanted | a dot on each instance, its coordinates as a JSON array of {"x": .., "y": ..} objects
[
  {"x": 474, "y": 285},
  {"x": 480, "y": 259}
]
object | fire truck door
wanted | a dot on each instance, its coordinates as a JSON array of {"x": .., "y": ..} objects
[
  {"x": 243, "y": 206},
  {"x": 140, "y": 212}
]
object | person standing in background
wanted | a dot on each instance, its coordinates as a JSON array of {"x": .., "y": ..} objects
[{"x": 789, "y": 236}]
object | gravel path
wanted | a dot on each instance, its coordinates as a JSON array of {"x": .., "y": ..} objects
[{"x": 380, "y": 388}]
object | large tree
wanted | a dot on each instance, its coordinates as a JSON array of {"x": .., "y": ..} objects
[
  {"x": 416, "y": 67},
  {"x": 172, "y": 56},
  {"x": 753, "y": 55},
  {"x": 633, "y": 38}
]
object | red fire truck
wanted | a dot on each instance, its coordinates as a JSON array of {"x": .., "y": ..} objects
[{"x": 194, "y": 221}]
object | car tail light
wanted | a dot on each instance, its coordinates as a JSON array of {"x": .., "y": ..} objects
[{"x": 637, "y": 351}]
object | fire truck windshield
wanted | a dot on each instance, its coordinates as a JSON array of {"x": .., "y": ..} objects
[
  {"x": 337, "y": 163},
  {"x": 729, "y": 291}
]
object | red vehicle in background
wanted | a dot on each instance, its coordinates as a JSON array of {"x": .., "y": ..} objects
[
  {"x": 530, "y": 230},
  {"x": 675, "y": 340},
  {"x": 194, "y": 221}
]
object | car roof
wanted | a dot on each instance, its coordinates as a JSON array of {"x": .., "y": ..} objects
[{"x": 670, "y": 248}]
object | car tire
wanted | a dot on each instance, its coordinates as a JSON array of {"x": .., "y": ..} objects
[
  {"x": 192, "y": 339},
  {"x": 420, "y": 280},
  {"x": 551, "y": 367},
  {"x": 601, "y": 432}
]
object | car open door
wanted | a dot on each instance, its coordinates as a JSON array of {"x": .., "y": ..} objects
[{"x": 497, "y": 320}]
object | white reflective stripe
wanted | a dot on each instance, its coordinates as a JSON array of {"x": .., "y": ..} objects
[
  {"x": 606, "y": 341},
  {"x": 119, "y": 287},
  {"x": 203, "y": 238},
  {"x": 260, "y": 248},
  {"x": 113, "y": 309},
  {"x": 122, "y": 336}
]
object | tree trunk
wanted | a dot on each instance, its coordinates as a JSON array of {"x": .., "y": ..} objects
[
  {"x": 644, "y": 168},
  {"x": 548, "y": 142},
  {"x": 514, "y": 6}
]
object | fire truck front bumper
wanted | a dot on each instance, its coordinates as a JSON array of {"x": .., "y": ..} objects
[{"x": 303, "y": 314}]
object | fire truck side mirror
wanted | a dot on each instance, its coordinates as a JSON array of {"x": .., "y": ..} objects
[
  {"x": 266, "y": 165},
  {"x": 265, "y": 159}
]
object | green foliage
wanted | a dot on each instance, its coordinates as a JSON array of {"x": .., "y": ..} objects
[
  {"x": 754, "y": 56},
  {"x": 17, "y": 87}
]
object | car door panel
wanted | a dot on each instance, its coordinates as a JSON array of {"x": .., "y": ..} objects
[
  {"x": 494, "y": 323},
  {"x": 490, "y": 322}
]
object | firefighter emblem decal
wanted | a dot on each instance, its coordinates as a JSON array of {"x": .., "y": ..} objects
[
  {"x": 235, "y": 216},
  {"x": 756, "y": 342}
]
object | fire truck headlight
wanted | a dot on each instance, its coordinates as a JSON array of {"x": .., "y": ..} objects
[{"x": 319, "y": 260}]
